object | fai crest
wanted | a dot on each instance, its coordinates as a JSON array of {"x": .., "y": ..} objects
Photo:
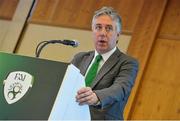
[{"x": 16, "y": 85}]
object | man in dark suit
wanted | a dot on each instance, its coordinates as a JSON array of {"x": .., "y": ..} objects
[{"x": 106, "y": 92}]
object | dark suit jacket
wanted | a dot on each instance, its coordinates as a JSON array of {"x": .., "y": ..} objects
[{"x": 112, "y": 85}]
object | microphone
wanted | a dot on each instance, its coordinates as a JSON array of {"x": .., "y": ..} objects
[
  {"x": 72, "y": 43},
  {"x": 42, "y": 44}
]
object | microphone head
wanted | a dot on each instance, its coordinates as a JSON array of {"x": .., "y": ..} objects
[
  {"x": 73, "y": 43},
  {"x": 76, "y": 43}
]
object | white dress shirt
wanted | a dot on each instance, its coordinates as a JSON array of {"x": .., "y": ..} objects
[{"x": 105, "y": 57}]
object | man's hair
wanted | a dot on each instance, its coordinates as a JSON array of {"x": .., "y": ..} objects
[{"x": 111, "y": 13}]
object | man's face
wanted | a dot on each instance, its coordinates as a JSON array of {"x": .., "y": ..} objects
[{"x": 105, "y": 34}]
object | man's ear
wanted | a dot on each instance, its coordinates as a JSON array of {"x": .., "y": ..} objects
[
  {"x": 117, "y": 41},
  {"x": 118, "y": 34}
]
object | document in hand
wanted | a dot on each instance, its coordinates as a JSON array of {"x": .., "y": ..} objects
[{"x": 65, "y": 106}]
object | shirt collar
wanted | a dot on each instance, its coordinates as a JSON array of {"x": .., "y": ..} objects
[{"x": 106, "y": 55}]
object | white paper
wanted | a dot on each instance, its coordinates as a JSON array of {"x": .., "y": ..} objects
[{"x": 65, "y": 106}]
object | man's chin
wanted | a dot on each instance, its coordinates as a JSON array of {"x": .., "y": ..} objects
[{"x": 101, "y": 50}]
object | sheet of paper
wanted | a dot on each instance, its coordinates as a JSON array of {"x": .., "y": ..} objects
[{"x": 65, "y": 106}]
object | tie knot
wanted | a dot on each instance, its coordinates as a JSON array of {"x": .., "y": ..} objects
[{"x": 98, "y": 58}]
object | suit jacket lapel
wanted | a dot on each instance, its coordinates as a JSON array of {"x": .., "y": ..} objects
[
  {"x": 86, "y": 62},
  {"x": 113, "y": 59}
]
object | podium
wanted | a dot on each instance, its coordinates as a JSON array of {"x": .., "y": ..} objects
[{"x": 45, "y": 80}]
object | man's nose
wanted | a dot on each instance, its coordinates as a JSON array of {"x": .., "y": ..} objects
[{"x": 103, "y": 31}]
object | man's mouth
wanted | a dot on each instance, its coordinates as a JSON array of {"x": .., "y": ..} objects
[{"x": 102, "y": 41}]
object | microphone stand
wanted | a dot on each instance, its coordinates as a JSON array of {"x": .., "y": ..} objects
[{"x": 42, "y": 44}]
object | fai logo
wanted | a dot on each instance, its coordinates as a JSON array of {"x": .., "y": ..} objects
[{"x": 16, "y": 85}]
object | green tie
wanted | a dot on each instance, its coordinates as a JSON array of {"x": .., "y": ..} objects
[{"x": 93, "y": 71}]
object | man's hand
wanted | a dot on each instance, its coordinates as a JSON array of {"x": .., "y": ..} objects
[{"x": 86, "y": 96}]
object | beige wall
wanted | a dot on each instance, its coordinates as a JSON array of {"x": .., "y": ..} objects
[
  {"x": 37, "y": 33},
  {"x": 4, "y": 26},
  {"x": 10, "y": 30}
]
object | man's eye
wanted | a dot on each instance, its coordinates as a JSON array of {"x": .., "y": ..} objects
[
  {"x": 98, "y": 27},
  {"x": 109, "y": 28}
]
